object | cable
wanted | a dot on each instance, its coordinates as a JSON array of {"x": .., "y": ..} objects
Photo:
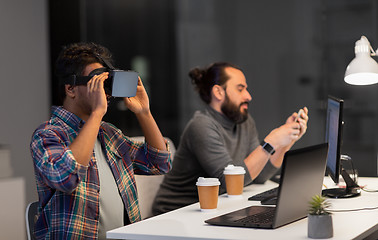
[
  {"x": 353, "y": 210},
  {"x": 347, "y": 158},
  {"x": 354, "y": 171},
  {"x": 368, "y": 190}
]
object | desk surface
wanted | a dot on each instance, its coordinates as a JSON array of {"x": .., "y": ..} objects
[{"x": 188, "y": 222}]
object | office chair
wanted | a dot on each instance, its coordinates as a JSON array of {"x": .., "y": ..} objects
[
  {"x": 148, "y": 185},
  {"x": 31, "y": 218}
]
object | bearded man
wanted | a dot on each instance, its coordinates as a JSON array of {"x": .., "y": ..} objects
[{"x": 224, "y": 133}]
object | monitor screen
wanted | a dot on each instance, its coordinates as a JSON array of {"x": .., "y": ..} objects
[
  {"x": 333, "y": 136},
  {"x": 334, "y": 128}
]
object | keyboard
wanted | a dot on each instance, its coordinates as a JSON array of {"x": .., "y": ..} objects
[
  {"x": 259, "y": 218},
  {"x": 264, "y": 195}
]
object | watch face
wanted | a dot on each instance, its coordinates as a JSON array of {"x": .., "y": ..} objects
[{"x": 269, "y": 148}]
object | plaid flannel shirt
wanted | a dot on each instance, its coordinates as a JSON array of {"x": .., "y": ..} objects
[{"x": 69, "y": 192}]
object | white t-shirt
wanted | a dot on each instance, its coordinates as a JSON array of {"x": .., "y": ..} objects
[{"x": 111, "y": 205}]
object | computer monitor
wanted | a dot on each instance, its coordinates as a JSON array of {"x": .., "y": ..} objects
[{"x": 334, "y": 129}]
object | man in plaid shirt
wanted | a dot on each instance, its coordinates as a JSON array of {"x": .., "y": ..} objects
[{"x": 85, "y": 167}]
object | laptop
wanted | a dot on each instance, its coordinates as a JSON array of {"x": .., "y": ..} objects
[{"x": 301, "y": 178}]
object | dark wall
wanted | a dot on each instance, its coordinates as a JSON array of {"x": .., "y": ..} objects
[
  {"x": 294, "y": 54},
  {"x": 140, "y": 36}
]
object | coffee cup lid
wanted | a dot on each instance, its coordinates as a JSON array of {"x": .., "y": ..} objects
[
  {"x": 201, "y": 181},
  {"x": 233, "y": 170}
]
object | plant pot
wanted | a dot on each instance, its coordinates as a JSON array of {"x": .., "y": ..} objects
[{"x": 320, "y": 226}]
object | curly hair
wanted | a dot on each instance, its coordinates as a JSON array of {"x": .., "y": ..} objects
[{"x": 73, "y": 59}]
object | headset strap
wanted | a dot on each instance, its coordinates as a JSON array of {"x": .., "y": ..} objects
[{"x": 82, "y": 80}]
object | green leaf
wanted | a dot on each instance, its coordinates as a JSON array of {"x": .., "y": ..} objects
[{"x": 319, "y": 205}]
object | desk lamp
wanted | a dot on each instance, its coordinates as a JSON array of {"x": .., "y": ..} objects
[{"x": 363, "y": 69}]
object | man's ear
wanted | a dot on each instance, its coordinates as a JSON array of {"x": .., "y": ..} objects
[
  {"x": 70, "y": 90},
  {"x": 218, "y": 92}
]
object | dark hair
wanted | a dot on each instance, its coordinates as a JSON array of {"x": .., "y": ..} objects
[
  {"x": 73, "y": 59},
  {"x": 205, "y": 78}
]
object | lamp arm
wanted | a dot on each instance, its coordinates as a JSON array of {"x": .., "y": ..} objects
[{"x": 373, "y": 53}]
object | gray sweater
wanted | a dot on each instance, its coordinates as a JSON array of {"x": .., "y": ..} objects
[{"x": 208, "y": 144}]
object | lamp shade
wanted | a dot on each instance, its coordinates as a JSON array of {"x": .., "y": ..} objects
[{"x": 363, "y": 69}]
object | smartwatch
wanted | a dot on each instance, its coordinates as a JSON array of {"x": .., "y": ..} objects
[{"x": 267, "y": 147}]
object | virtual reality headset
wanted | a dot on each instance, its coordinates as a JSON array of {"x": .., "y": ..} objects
[{"x": 119, "y": 83}]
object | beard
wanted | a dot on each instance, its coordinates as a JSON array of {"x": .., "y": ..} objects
[{"x": 233, "y": 112}]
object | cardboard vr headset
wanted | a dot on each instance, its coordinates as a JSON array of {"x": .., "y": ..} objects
[{"x": 120, "y": 83}]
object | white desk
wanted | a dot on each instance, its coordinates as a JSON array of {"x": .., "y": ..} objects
[{"x": 188, "y": 222}]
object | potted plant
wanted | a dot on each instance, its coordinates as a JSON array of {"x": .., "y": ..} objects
[{"x": 319, "y": 218}]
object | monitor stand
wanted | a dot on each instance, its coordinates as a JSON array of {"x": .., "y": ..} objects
[{"x": 351, "y": 190}]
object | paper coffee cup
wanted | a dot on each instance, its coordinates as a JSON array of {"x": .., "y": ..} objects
[
  {"x": 208, "y": 190},
  {"x": 234, "y": 176}
]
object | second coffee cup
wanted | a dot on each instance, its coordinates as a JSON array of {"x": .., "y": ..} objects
[{"x": 234, "y": 180}]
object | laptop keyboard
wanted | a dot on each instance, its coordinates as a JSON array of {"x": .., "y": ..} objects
[
  {"x": 259, "y": 218},
  {"x": 264, "y": 195}
]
